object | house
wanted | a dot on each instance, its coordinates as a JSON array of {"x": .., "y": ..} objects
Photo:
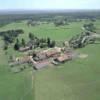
[
  {"x": 53, "y": 52},
  {"x": 41, "y": 56},
  {"x": 63, "y": 58},
  {"x": 23, "y": 49}
]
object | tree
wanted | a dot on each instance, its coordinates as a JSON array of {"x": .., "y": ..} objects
[
  {"x": 10, "y": 35},
  {"x": 89, "y": 27},
  {"x": 23, "y": 42},
  {"x": 59, "y": 23},
  {"x": 31, "y": 36},
  {"x": 36, "y": 42},
  {"x": 8, "y": 38},
  {"x": 17, "y": 40},
  {"x": 11, "y": 58},
  {"x": 5, "y": 46},
  {"x": 34, "y": 54},
  {"x": 43, "y": 40},
  {"x": 48, "y": 41},
  {"x": 60, "y": 20},
  {"x": 17, "y": 45},
  {"x": 52, "y": 44},
  {"x": 93, "y": 19},
  {"x": 42, "y": 45}
]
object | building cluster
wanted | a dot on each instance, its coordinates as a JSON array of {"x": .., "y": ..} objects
[{"x": 41, "y": 59}]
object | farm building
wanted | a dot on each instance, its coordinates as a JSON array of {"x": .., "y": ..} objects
[
  {"x": 53, "y": 52},
  {"x": 23, "y": 49},
  {"x": 63, "y": 58},
  {"x": 46, "y": 57},
  {"x": 40, "y": 56}
]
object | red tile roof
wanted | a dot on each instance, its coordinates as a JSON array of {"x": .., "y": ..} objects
[{"x": 64, "y": 57}]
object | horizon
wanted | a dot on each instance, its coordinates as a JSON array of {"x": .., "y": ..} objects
[
  {"x": 45, "y": 11},
  {"x": 48, "y": 10}
]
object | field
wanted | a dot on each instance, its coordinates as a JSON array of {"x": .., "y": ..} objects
[{"x": 74, "y": 80}]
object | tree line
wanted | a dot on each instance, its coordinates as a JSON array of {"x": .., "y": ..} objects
[
  {"x": 89, "y": 27},
  {"x": 9, "y": 36},
  {"x": 34, "y": 42}
]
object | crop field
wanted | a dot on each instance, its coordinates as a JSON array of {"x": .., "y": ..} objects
[{"x": 78, "y": 79}]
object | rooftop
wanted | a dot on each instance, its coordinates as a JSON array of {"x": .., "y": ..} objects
[{"x": 64, "y": 57}]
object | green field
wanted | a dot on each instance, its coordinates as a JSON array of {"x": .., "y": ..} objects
[{"x": 74, "y": 80}]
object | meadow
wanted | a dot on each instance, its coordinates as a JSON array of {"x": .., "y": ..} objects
[{"x": 75, "y": 80}]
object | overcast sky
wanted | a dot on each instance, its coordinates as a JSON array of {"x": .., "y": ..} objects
[{"x": 49, "y": 4}]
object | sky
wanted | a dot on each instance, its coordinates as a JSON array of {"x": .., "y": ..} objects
[{"x": 48, "y": 4}]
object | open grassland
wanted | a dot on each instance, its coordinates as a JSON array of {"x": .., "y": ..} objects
[
  {"x": 14, "y": 86},
  {"x": 75, "y": 80}
]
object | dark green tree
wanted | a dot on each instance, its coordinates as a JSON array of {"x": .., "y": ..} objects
[
  {"x": 5, "y": 46},
  {"x": 52, "y": 44},
  {"x": 90, "y": 27},
  {"x": 31, "y": 36},
  {"x": 48, "y": 41},
  {"x": 17, "y": 45},
  {"x": 23, "y": 42}
]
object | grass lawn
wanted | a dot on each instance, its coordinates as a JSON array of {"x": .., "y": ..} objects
[{"x": 75, "y": 80}]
